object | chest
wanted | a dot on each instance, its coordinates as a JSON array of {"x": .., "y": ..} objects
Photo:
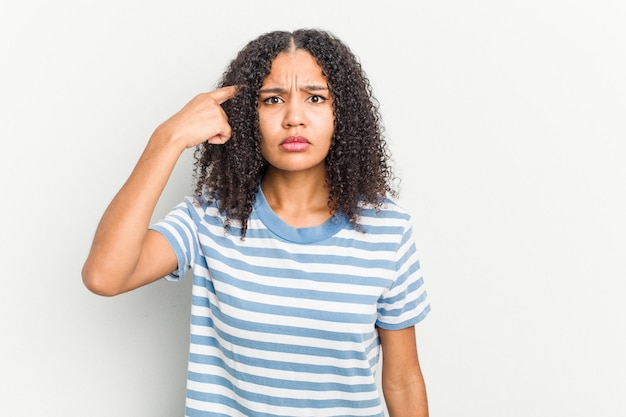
[{"x": 329, "y": 288}]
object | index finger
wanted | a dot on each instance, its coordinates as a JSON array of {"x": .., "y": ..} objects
[{"x": 224, "y": 94}]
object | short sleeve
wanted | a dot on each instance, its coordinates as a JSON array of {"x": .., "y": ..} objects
[
  {"x": 180, "y": 230},
  {"x": 404, "y": 303}
]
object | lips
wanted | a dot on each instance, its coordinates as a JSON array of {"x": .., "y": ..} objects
[{"x": 295, "y": 144}]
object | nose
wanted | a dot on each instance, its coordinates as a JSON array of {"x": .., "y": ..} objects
[{"x": 295, "y": 114}]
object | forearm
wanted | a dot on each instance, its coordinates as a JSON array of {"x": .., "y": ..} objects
[
  {"x": 120, "y": 234},
  {"x": 407, "y": 401}
]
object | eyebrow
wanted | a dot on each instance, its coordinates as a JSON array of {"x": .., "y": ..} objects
[{"x": 280, "y": 90}]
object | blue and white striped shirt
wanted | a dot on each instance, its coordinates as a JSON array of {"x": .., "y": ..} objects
[{"x": 283, "y": 323}]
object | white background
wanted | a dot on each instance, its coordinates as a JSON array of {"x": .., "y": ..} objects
[{"x": 506, "y": 120}]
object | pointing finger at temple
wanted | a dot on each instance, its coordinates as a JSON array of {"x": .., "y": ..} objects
[{"x": 224, "y": 94}]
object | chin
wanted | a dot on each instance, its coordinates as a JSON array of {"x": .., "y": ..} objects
[{"x": 295, "y": 167}]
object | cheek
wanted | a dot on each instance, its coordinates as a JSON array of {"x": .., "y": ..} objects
[
  {"x": 262, "y": 127},
  {"x": 266, "y": 124},
  {"x": 329, "y": 123},
  {"x": 265, "y": 149}
]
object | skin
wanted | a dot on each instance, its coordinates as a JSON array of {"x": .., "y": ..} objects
[{"x": 294, "y": 102}]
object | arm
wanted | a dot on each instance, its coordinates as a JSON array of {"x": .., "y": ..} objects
[
  {"x": 403, "y": 383},
  {"x": 125, "y": 254}
]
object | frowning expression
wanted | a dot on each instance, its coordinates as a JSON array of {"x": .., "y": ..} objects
[{"x": 296, "y": 119}]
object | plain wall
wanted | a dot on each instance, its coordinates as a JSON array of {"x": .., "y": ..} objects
[{"x": 506, "y": 120}]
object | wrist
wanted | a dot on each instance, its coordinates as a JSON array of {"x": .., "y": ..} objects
[{"x": 164, "y": 138}]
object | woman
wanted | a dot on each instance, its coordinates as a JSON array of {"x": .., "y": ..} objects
[{"x": 303, "y": 268}]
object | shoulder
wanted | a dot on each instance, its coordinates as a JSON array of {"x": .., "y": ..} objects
[
  {"x": 388, "y": 212},
  {"x": 200, "y": 202},
  {"x": 386, "y": 224},
  {"x": 198, "y": 210}
]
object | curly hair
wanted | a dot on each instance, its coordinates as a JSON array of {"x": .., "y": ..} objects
[{"x": 357, "y": 168}]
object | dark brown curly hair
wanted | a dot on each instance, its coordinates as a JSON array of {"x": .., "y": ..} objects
[{"x": 357, "y": 168}]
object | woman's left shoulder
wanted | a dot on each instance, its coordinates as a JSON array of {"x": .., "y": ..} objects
[{"x": 387, "y": 209}]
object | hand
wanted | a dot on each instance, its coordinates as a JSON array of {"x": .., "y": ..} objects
[{"x": 202, "y": 119}]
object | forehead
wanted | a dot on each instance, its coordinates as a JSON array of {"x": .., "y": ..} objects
[{"x": 295, "y": 65}]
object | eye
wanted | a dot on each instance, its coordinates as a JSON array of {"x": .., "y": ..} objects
[
  {"x": 273, "y": 100},
  {"x": 316, "y": 99}
]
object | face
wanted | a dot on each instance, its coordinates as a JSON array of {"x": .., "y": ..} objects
[{"x": 296, "y": 118}]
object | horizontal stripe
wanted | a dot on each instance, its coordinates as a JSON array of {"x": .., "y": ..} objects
[
  {"x": 205, "y": 402},
  {"x": 289, "y": 269},
  {"x": 308, "y": 369},
  {"x": 272, "y": 383},
  {"x": 285, "y": 401},
  {"x": 336, "y": 351},
  {"x": 289, "y": 289},
  {"x": 240, "y": 317}
]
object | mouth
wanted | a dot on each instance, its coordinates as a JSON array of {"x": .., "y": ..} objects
[
  {"x": 295, "y": 139},
  {"x": 295, "y": 144}
]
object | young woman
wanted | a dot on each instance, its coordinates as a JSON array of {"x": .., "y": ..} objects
[{"x": 303, "y": 268}]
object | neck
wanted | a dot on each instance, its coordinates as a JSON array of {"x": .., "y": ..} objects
[{"x": 300, "y": 199}]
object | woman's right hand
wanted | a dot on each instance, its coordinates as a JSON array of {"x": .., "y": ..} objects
[{"x": 201, "y": 120}]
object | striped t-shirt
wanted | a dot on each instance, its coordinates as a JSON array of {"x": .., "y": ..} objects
[{"x": 283, "y": 322}]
